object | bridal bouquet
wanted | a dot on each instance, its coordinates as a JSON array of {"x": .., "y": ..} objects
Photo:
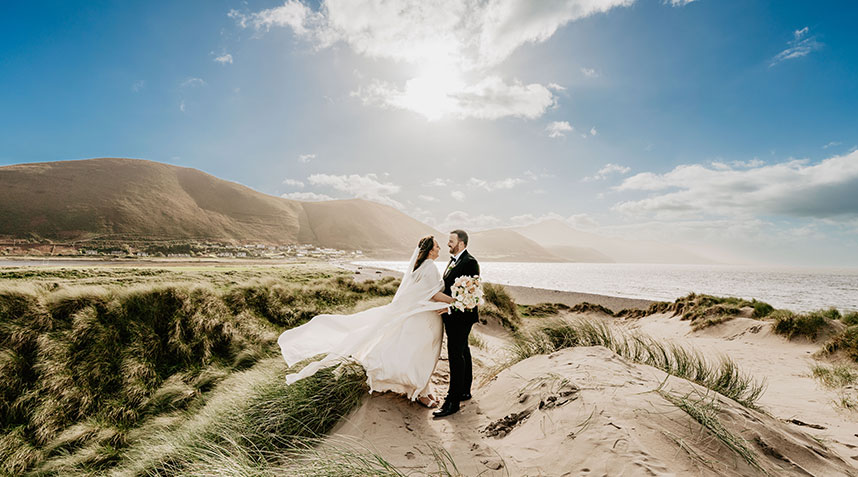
[{"x": 467, "y": 293}]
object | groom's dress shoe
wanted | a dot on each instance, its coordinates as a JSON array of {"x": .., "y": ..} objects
[
  {"x": 449, "y": 407},
  {"x": 465, "y": 397}
]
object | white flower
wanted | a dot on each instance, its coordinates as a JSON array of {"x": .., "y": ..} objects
[{"x": 467, "y": 293}]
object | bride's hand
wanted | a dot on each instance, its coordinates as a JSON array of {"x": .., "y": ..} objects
[{"x": 442, "y": 297}]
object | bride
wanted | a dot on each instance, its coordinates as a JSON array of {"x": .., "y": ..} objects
[{"x": 398, "y": 344}]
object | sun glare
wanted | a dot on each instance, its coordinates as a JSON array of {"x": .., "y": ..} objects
[{"x": 432, "y": 92}]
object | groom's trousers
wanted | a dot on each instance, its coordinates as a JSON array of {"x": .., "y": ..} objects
[{"x": 459, "y": 355}]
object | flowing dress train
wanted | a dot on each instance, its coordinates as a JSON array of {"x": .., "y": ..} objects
[{"x": 398, "y": 344}]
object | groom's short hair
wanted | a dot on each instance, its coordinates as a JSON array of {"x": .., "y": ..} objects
[{"x": 463, "y": 236}]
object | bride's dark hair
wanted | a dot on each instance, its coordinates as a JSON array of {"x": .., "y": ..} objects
[{"x": 425, "y": 246}]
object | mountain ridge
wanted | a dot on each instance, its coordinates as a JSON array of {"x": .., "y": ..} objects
[{"x": 120, "y": 198}]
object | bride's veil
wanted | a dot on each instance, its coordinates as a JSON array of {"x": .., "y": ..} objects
[{"x": 408, "y": 277}]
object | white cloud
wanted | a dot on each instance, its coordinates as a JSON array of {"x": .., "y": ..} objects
[
  {"x": 138, "y": 85},
  {"x": 458, "y": 195},
  {"x": 832, "y": 144},
  {"x": 606, "y": 170},
  {"x": 491, "y": 98},
  {"x": 305, "y": 158},
  {"x": 439, "y": 182},
  {"x": 193, "y": 82},
  {"x": 291, "y": 14},
  {"x": 427, "y": 198},
  {"x": 578, "y": 221},
  {"x": 224, "y": 59},
  {"x": 490, "y": 186},
  {"x": 363, "y": 187},
  {"x": 794, "y": 189},
  {"x": 463, "y": 220},
  {"x": 723, "y": 166},
  {"x": 558, "y": 129},
  {"x": 593, "y": 131},
  {"x": 800, "y": 45},
  {"x": 590, "y": 72},
  {"x": 182, "y": 105},
  {"x": 293, "y": 183},
  {"x": 306, "y": 196},
  {"x": 582, "y": 221},
  {"x": 444, "y": 40},
  {"x": 535, "y": 176},
  {"x": 555, "y": 87},
  {"x": 677, "y": 3}
]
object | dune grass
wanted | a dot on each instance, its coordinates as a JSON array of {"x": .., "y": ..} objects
[
  {"x": 835, "y": 376},
  {"x": 722, "y": 375},
  {"x": 541, "y": 310},
  {"x": 81, "y": 368},
  {"x": 850, "y": 318},
  {"x": 846, "y": 341},
  {"x": 501, "y": 306},
  {"x": 477, "y": 341},
  {"x": 842, "y": 379},
  {"x": 705, "y": 412},
  {"x": 254, "y": 425},
  {"x": 702, "y": 310},
  {"x": 808, "y": 325}
]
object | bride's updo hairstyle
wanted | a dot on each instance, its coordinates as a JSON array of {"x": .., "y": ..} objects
[{"x": 425, "y": 246}]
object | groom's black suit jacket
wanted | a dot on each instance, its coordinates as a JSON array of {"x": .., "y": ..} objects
[{"x": 466, "y": 266}]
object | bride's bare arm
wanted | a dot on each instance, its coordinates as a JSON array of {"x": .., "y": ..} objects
[{"x": 442, "y": 297}]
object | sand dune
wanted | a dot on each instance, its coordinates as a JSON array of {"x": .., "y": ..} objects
[
  {"x": 584, "y": 411},
  {"x": 588, "y": 411},
  {"x": 792, "y": 393}
]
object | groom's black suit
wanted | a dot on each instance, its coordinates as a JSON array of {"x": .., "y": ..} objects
[{"x": 458, "y": 326}]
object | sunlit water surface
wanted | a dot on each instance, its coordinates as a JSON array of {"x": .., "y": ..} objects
[{"x": 798, "y": 289}]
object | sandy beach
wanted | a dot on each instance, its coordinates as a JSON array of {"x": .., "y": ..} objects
[
  {"x": 613, "y": 421},
  {"x": 524, "y": 295}
]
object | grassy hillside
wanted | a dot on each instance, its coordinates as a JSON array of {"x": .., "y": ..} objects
[
  {"x": 92, "y": 366},
  {"x": 136, "y": 199},
  {"x": 141, "y": 199},
  {"x": 364, "y": 225}
]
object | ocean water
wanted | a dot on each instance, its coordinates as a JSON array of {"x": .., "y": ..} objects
[{"x": 797, "y": 289}]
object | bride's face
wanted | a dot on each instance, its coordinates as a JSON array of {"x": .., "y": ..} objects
[{"x": 436, "y": 249}]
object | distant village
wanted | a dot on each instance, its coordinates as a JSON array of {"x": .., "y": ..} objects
[{"x": 178, "y": 250}]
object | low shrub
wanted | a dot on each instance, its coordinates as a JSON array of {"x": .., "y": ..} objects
[
  {"x": 808, "y": 325},
  {"x": 850, "y": 318},
  {"x": 541, "y": 310},
  {"x": 846, "y": 341}
]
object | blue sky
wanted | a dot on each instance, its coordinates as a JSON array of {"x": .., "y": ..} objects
[{"x": 726, "y": 126}]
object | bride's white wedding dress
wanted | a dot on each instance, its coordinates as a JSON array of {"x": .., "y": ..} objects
[{"x": 398, "y": 344}]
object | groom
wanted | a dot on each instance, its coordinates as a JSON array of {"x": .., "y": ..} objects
[{"x": 458, "y": 325}]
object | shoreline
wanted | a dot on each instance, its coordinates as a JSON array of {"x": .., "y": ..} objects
[
  {"x": 17, "y": 262},
  {"x": 523, "y": 295}
]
